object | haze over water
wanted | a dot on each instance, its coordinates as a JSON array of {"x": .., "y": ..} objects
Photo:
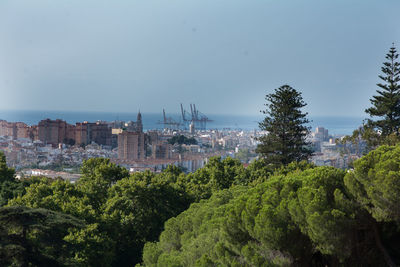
[{"x": 335, "y": 125}]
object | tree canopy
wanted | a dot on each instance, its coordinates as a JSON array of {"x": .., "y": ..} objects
[
  {"x": 9, "y": 186},
  {"x": 382, "y": 128},
  {"x": 181, "y": 139},
  {"x": 120, "y": 212},
  {"x": 386, "y": 104},
  {"x": 35, "y": 237},
  {"x": 375, "y": 183},
  {"x": 286, "y": 127},
  {"x": 237, "y": 216},
  {"x": 335, "y": 218}
]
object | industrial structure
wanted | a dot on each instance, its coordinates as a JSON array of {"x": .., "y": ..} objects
[
  {"x": 188, "y": 121},
  {"x": 198, "y": 119},
  {"x": 169, "y": 123}
]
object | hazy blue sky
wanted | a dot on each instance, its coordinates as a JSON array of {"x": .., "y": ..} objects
[{"x": 223, "y": 55}]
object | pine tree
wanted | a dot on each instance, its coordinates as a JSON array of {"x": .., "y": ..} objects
[
  {"x": 386, "y": 105},
  {"x": 286, "y": 127}
]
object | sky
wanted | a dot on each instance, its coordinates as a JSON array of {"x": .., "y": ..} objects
[{"x": 222, "y": 55}]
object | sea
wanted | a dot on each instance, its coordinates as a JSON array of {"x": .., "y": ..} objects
[{"x": 151, "y": 121}]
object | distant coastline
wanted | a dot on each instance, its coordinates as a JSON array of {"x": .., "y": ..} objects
[{"x": 336, "y": 125}]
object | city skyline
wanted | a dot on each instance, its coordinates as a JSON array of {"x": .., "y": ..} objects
[{"x": 224, "y": 56}]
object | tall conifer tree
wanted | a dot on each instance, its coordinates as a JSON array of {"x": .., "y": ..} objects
[
  {"x": 286, "y": 126},
  {"x": 386, "y": 104}
]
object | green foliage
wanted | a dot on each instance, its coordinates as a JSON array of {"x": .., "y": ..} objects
[
  {"x": 34, "y": 237},
  {"x": 285, "y": 124},
  {"x": 294, "y": 167},
  {"x": 9, "y": 190},
  {"x": 386, "y": 104},
  {"x": 217, "y": 174},
  {"x": 298, "y": 206},
  {"x": 211, "y": 233},
  {"x": 258, "y": 171},
  {"x": 6, "y": 173},
  {"x": 243, "y": 155},
  {"x": 102, "y": 168},
  {"x": 9, "y": 186},
  {"x": 302, "y": 216},
  {"x": 375, "y": 183},
  {"x": 323, "y": 211},
  {"x": 191, "y": 237},
  {"x": 57, "y": 195},
  {"x": 121, "y": 213},
  {"x": 98, "y": 174},
  {"x": 181, "y": 139},
  {"x": 383, "y": 126},
  {"x": 94, "y": 246},
  {"x": 297, "y": 214},
  {"x": 136, "y": 212},
  {"x": 169, "y": 176}
]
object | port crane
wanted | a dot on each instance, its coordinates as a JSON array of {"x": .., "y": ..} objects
[
  {"x": 199, "y": 119},
  {"x": 169, "y": 123}
]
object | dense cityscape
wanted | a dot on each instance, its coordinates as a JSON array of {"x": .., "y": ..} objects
[
  {"x": 55, "y": 148},
  {"x": 293, "y": 160}
]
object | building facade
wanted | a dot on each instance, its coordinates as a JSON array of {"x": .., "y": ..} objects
[
  {"x": 87, "y": 132},
  {"x": 15, "y": 130},
  {"x": 53, "y": 132},
  {"x": 131, "y": 145},
  {"x": 131, "y": 141}
]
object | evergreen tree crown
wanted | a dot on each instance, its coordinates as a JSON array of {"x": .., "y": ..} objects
[
  {"x": 386, "y": 104},
  {"x": 286, "y": 126}
]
